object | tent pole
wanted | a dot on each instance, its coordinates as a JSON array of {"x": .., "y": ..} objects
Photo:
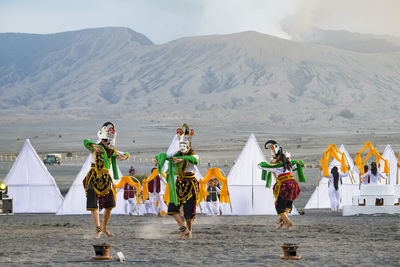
[
  {"x": 397, "y": 175},
  {"x": 353, "y": 181},
  {"x": 252, "y": 186}
]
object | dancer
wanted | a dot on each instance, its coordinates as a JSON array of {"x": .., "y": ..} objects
[
  {"x": 99, "y": 187},
  {"x": 374, "y": 175},
  {"x": 334, "y": 186},
  {"x": 185, "y": 191},
  {"x": 286, "y": 188}
]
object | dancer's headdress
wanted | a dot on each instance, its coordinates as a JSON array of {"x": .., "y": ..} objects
[
  {"x": 108, "y": 133},
  {"x": 184, "y": 135},
  {"x": 275, "y": 145},
  {"x": 276, "y": 148}
]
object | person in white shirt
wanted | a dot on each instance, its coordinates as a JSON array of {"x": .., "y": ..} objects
[
  {"x": 366, "y": 179},
  {"x": 374, "y": 175},
  {"x": 334, "y": 184}
]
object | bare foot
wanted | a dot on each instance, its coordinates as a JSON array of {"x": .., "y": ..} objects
[
  {"x": 184, "y": 234},
  {"x": 108, "y": 233},
  {"x": 288, "y": 226},
  {"x": 98, "y": 234},
  {"x": 280, "y": 225},
  {"x": 99, "y": 231}
]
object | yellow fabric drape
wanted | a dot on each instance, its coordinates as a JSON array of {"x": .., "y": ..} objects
[
  {"x": 145, "y": 193},
  {"x": 128, "y": 180},
  {"x": 211, "y": 173},
  {"x": 166, "y": 195},
  {"x": 332, "y": 151},
  {"x": 360, "y": 163}
]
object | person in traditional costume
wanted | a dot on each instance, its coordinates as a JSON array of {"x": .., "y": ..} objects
[
  {"x": 98, "y": 184},
  {"x": 212, "y": 201},
  {"x": 286, "y": 188},
  {"x": 130, "y": 195},
  {"x": 155, "y": 194},
  {"x": 184, "y": 192},
  {"x": 129, "y": 199},
  {"x": 334, "y": 183},
  {"x": 374, "y": 175}
]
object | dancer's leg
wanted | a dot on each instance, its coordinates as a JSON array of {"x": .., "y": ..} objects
[
  {"x": 286, "y": 219},
  {"x": 189, "y": 224},
  {"x": 279, "y": 222},
  {"x": 96, "y": 221},
  {"x": 182, "y": 228},
  {"x": 106, "y": 219}
]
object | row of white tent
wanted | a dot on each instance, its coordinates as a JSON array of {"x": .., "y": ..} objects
[
  {"x": 34, "y": 190},
  {"x": 320, "y": 197}
]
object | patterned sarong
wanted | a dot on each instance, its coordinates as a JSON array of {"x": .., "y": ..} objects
[{"x": 286, "y": 187}]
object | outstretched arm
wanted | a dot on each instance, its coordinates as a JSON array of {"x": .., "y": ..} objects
[{"x": 122, "y": 155}]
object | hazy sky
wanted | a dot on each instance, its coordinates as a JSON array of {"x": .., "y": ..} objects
[{"x": 167, "y": 20}]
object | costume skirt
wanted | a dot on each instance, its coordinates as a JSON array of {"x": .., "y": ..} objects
[
  {"x": 286, "y": 190},
  {"x": 100, "y": 192},
  {"x": 187, "y": 190}
]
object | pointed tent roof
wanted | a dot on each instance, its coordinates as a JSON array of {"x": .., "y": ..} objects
[
  {"x": 75, "y": 200},
  {"x": 350, "y": 163},
  {"x": 247, "y": 191},
  {"x": 320, "y": 197},
  {"x": 31, "y": 185},
  {"x": 391, "y": 157}
]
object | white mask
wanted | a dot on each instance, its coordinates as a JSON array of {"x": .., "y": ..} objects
[{"x": 183, "y": 147}]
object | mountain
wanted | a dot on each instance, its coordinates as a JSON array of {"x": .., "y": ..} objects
[{"x": 247, "y": 76}]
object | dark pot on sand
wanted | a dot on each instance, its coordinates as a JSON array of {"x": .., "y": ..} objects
[
  {"x": 290, "y": 251},
  {"x": 102, "y": 251}
]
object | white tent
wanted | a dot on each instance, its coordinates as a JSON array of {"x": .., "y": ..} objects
[
  {"x": 320, "y": 197},
  {"x": 391, "y": 157},
  {"x": 353, "y": 171},
  {"x": 247, "y": 192},
  {"x": 75, "y": 200},
  {"x": 31, "y": 185}
]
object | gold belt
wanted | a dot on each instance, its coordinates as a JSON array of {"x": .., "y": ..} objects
[{"x": 187, "y": 176}]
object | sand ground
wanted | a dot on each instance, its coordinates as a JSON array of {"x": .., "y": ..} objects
[{"x": 325, "y": 239}]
